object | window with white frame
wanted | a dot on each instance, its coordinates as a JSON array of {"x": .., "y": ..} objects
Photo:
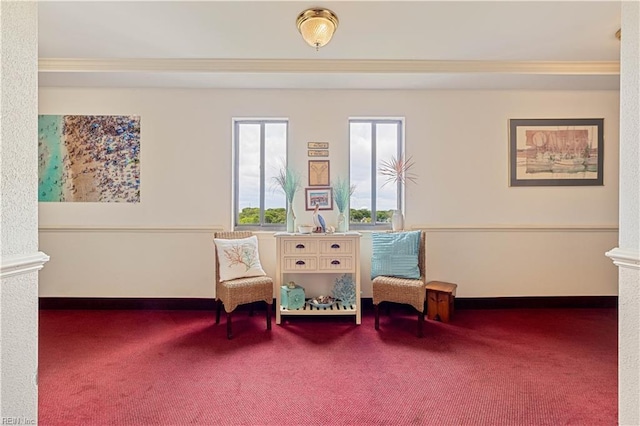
[
  {"x": 373, "y": 141},
  {"x": 260, "y": 152}
]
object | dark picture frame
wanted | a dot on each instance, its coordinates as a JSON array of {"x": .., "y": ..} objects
[
  {"x": 321, "y": 196},
  {"x": 556, "y": 152},
  {"x": 319, "y": 173}
]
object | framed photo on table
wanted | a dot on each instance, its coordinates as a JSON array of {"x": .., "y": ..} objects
[
  {"x": 556, "y": 152},
  {"x": 318, "y": 172},
  {"x": 319, "y": 196}
]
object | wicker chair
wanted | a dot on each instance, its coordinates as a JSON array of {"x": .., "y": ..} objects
[
  {"x": 242, "y": 290},
  {"x": 403, "y": 290}
]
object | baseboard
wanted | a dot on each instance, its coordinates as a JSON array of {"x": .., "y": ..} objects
[
  {"x": 194, "y": 304},
  {"x": 536, "y": 302},
  {"x": 143, "y": 303}
]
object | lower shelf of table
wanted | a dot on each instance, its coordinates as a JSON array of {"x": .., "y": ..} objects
[{"x": 307, "y": 309}]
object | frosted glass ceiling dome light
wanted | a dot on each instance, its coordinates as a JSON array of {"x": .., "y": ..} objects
[{"x": 317, "y": 26}]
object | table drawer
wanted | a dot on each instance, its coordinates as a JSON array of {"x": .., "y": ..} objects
[
  {"x": 336, "y": 263},
  {"x": 299, "y": 246},
  {"x": 299, "y": 263},
  {"x": 336, "y": 246}
]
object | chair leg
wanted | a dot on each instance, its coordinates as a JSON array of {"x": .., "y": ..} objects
[
  {"x": 269, "y": 306},
  {"x": 420, "y": 323},
  {"x": 218, "y": 307},
  {"x": 229, "y": 335},
  {"x": 376, "y": 309}
]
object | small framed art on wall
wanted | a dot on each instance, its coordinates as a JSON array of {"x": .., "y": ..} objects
[{"x": 320, "y": 196}]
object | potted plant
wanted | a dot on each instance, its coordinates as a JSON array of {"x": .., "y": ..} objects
[
  {"x": 398, "y": 171},
  {"x": 289, "y": 182},
  {"x": 342, "y": 193}
]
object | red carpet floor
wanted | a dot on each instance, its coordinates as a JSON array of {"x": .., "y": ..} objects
[{"x": 486, "y": 367}]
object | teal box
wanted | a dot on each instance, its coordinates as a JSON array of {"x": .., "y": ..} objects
[{"x": 292, "y": 298}]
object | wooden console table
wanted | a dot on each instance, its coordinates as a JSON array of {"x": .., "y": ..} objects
[{"x": 318, "y": 254}]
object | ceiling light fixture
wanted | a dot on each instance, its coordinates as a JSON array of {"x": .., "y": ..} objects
[
  {"x": 317, "y": 26},
  {"x": 619, "y": 34}
]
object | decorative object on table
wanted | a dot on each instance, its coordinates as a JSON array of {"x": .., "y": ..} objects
[
  {"x": 289, "y": 181},
  {"x": 397, "y": 220},
  {"x": 556, "y": 152},
  {"x": 397, "y": 171},
  {"x": 318, "y": 145},
  {"x": 318, "y": 220},
  {"x": 318, "y": 172},
  {"x": 342, "y": 193},
  {"x": 320, "y": 197},
  {"x": 344, "y": 290},
  {"x": 322, "y": 301},
  {"x": 306, "y": 229},
  {"x": 318, "y": 153},
  {"x": 342, "y": 223},
  {"x": 292, "y": 297}
]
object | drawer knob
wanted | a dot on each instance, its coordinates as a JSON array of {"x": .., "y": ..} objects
[
  {"x": 300, "y": 246},
  {"x": 300, "y": 262},
  {"x": 335, "y": 262},
  {"x": 335, "y": 245}
]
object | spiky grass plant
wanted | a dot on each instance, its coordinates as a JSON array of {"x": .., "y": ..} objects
[
  {"x": 342, "y": 192},
  {"x": 397, "y": 170},
  {"x": 289, "y": 181}
]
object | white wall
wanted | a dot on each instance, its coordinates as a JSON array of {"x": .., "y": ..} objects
[
  {"x": 18, "y": 212},
  {"x": 491, "y": 239},
  {"x": 627, "y": 254}
]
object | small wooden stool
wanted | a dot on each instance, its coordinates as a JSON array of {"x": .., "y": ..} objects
[{"x": 440, "y": 298}]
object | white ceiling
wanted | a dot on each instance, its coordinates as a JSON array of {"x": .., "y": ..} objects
[{"x": 420, "y": 43}]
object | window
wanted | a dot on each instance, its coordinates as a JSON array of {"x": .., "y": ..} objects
[
  {"x": 372, "y": 141},
  {"x": 260, "y": 151}
]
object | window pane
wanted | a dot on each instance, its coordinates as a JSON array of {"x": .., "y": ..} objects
[
  {"x": 274, "y": 159},
  {"x": 387, "y": 191},
  {"x": 360, "y": 171},
  {"x": 249, "y": 173}
]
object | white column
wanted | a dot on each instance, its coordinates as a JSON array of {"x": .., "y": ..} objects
[
  {"x": 627, "y": 255},
  {"x": 19, "y": 256}
]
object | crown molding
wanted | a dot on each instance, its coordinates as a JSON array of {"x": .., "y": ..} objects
[{"x": 326, "y": 66}]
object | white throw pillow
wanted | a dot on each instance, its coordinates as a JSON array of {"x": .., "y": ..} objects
[{"x": 238, "y": 258}]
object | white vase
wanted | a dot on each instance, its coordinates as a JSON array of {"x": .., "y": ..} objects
[
  {"x": 342, "y": 223},
  {"x": 397, "y": 220},
  {"x": 291, "y": 219}
]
